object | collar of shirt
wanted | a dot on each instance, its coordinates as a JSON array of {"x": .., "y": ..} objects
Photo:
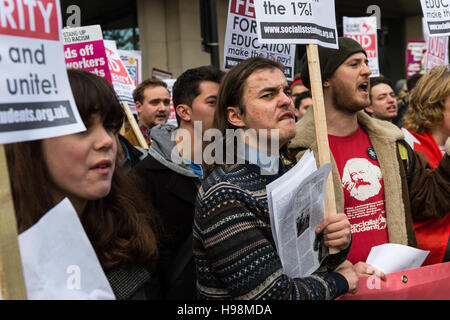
[
  {"x": 145, "y": 132},
  {"x": 196, "y": 168},
  {"x": 270, "y": 163}
]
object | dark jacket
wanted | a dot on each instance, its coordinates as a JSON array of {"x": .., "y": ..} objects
[{"x": 172, "y": 189}]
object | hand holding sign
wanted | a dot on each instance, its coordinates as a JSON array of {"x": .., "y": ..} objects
[{"x": 310, "y": 23}]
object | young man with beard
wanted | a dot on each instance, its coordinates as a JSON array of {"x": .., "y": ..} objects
[
  {"x": 171, "y": 178},
  {"x": 234, "y": 248},
  {"x": 383, "y": 104},
  {"x": 408, "y": 188},
  {"x": 152, "y": 100}
]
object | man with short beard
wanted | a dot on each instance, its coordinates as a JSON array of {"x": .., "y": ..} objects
[{"x": 409, "y": 189}]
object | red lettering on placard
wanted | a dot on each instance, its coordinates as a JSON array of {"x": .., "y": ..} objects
[
  {"x": 243, "y": 7},
  {"x": 367, "y": 41},
  {"x": 29, "y": 18}
]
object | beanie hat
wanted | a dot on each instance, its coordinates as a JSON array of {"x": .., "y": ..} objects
[{"x": 330, "y": 59}]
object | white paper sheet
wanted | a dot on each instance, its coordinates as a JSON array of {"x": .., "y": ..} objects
[
  {"x": 391, "y": 257},
  {"x": 59, "y": 261},
  {"x": 296, "y": 207}
]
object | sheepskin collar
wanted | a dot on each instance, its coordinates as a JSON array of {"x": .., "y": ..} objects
[{"x": 383, "y": 135}]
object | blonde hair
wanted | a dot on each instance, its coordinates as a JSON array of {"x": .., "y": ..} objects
[{"x": 427, "y": 100}]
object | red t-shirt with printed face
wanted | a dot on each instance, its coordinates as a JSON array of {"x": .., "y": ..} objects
[{"x": 363, "y": 188}]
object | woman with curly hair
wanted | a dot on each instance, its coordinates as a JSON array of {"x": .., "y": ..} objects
[
  {"x": 427, "y": 124},
  {"x": 83, "y": 168}
]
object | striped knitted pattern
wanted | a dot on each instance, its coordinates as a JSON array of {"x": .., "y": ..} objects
[{"x": 234, "y": 249}]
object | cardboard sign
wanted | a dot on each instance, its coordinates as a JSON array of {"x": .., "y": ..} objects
[
  {"x": 241, "y": 39},
  {"x": 437, "y": 16},
  {"x": 364, "y": 30},
  {"x": 121, "y": 80},
  {"x": 132, "y": 60},
  {"x": 414, "y": 54},
  {"x": 301, "y": 22},
  {"x": 36, "y": 101}
]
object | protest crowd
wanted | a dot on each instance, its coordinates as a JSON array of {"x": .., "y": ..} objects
[{"x": 189, "y": 217}]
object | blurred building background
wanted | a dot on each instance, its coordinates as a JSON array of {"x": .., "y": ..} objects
[{"x": 169, "y": 32}]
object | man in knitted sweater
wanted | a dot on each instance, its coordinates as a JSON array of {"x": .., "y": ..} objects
[{"x": 234, "y": 248}]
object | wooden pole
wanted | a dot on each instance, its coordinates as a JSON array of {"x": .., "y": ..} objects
[
  {"x": 320, "y": 123},
  {"x": 12, "y": 281},
  {"x": 135, "y": 127}
]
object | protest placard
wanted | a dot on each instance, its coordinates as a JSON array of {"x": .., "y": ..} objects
[
  {"x": 414, "y": 54},
  {"x": 437, "y": 52},
  {"x": 35, "y": 103},
  {"x": 132, "y": 60},
  {"x": 172, "y": 116},
  {"x": 436, "y": 48},
  {"x": 35, "y": 97},
  {"x": 313, "y": 23},
  {"x": 120, "y": 79},
  {"x": 300, "y": 22},
  {"x": 437, "y": 16},
  {"x": 241, "y": 39},
  {"x": 84, "y": 49},
  {"x": 364, "y": 30}
]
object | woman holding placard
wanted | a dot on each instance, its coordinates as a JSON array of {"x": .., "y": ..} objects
[{"x": 82, "y": 167}]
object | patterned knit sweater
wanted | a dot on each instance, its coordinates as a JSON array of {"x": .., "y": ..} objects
[{"x": 234, "y": 249}]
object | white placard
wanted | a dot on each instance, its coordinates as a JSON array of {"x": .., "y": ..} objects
[
  {"x": 300, "y": 22},
  {"x": 36, "y": 101},
  {"x": 364, "y": 30},
  {"x": 58, "y": 260},
  {"x": 437, "y": 16},
  {"x": 241, "y": 39}
]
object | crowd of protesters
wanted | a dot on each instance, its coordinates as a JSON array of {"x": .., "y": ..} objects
[{"x": 166, "y": 224}]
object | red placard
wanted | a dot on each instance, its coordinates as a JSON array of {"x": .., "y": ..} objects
[{"x": 31, "y": 19}]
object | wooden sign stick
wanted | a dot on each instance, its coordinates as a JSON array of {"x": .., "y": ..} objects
[
  {"x": 135, "y": 127},
  {"x": 320, "y": 123},
  {"x": 12, "y": 282}
]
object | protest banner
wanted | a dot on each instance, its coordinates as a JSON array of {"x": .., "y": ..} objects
[
  {"x": 437, "y": 52},
  {"x": 120, "y": 79},
  {"x": 241, "y": 39},
  {"x": 437, "y": 16},
  {"x": 35, "y": 103},
  {"x": 172, "y": 116},
  {"x": 364, "y": 30},
  {"x": 297, "y": 22},
  {"x": 123, "y": 85},
  {"x": 84, "y": 48},
  {"x": 415, "y": 51},
  {"x": 436, "y": 48},
  {"x": 35, "y": 97},
  {"x": 132, "y": 60},
  {"x": 312, "y": 23},
  {"x": 426, "y": 283}
]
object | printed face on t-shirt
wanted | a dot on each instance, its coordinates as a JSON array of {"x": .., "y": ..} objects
[{"x": 361, "y": 178}]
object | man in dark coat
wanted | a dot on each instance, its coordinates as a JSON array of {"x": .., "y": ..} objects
[{"x": 171, "y": 175}]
